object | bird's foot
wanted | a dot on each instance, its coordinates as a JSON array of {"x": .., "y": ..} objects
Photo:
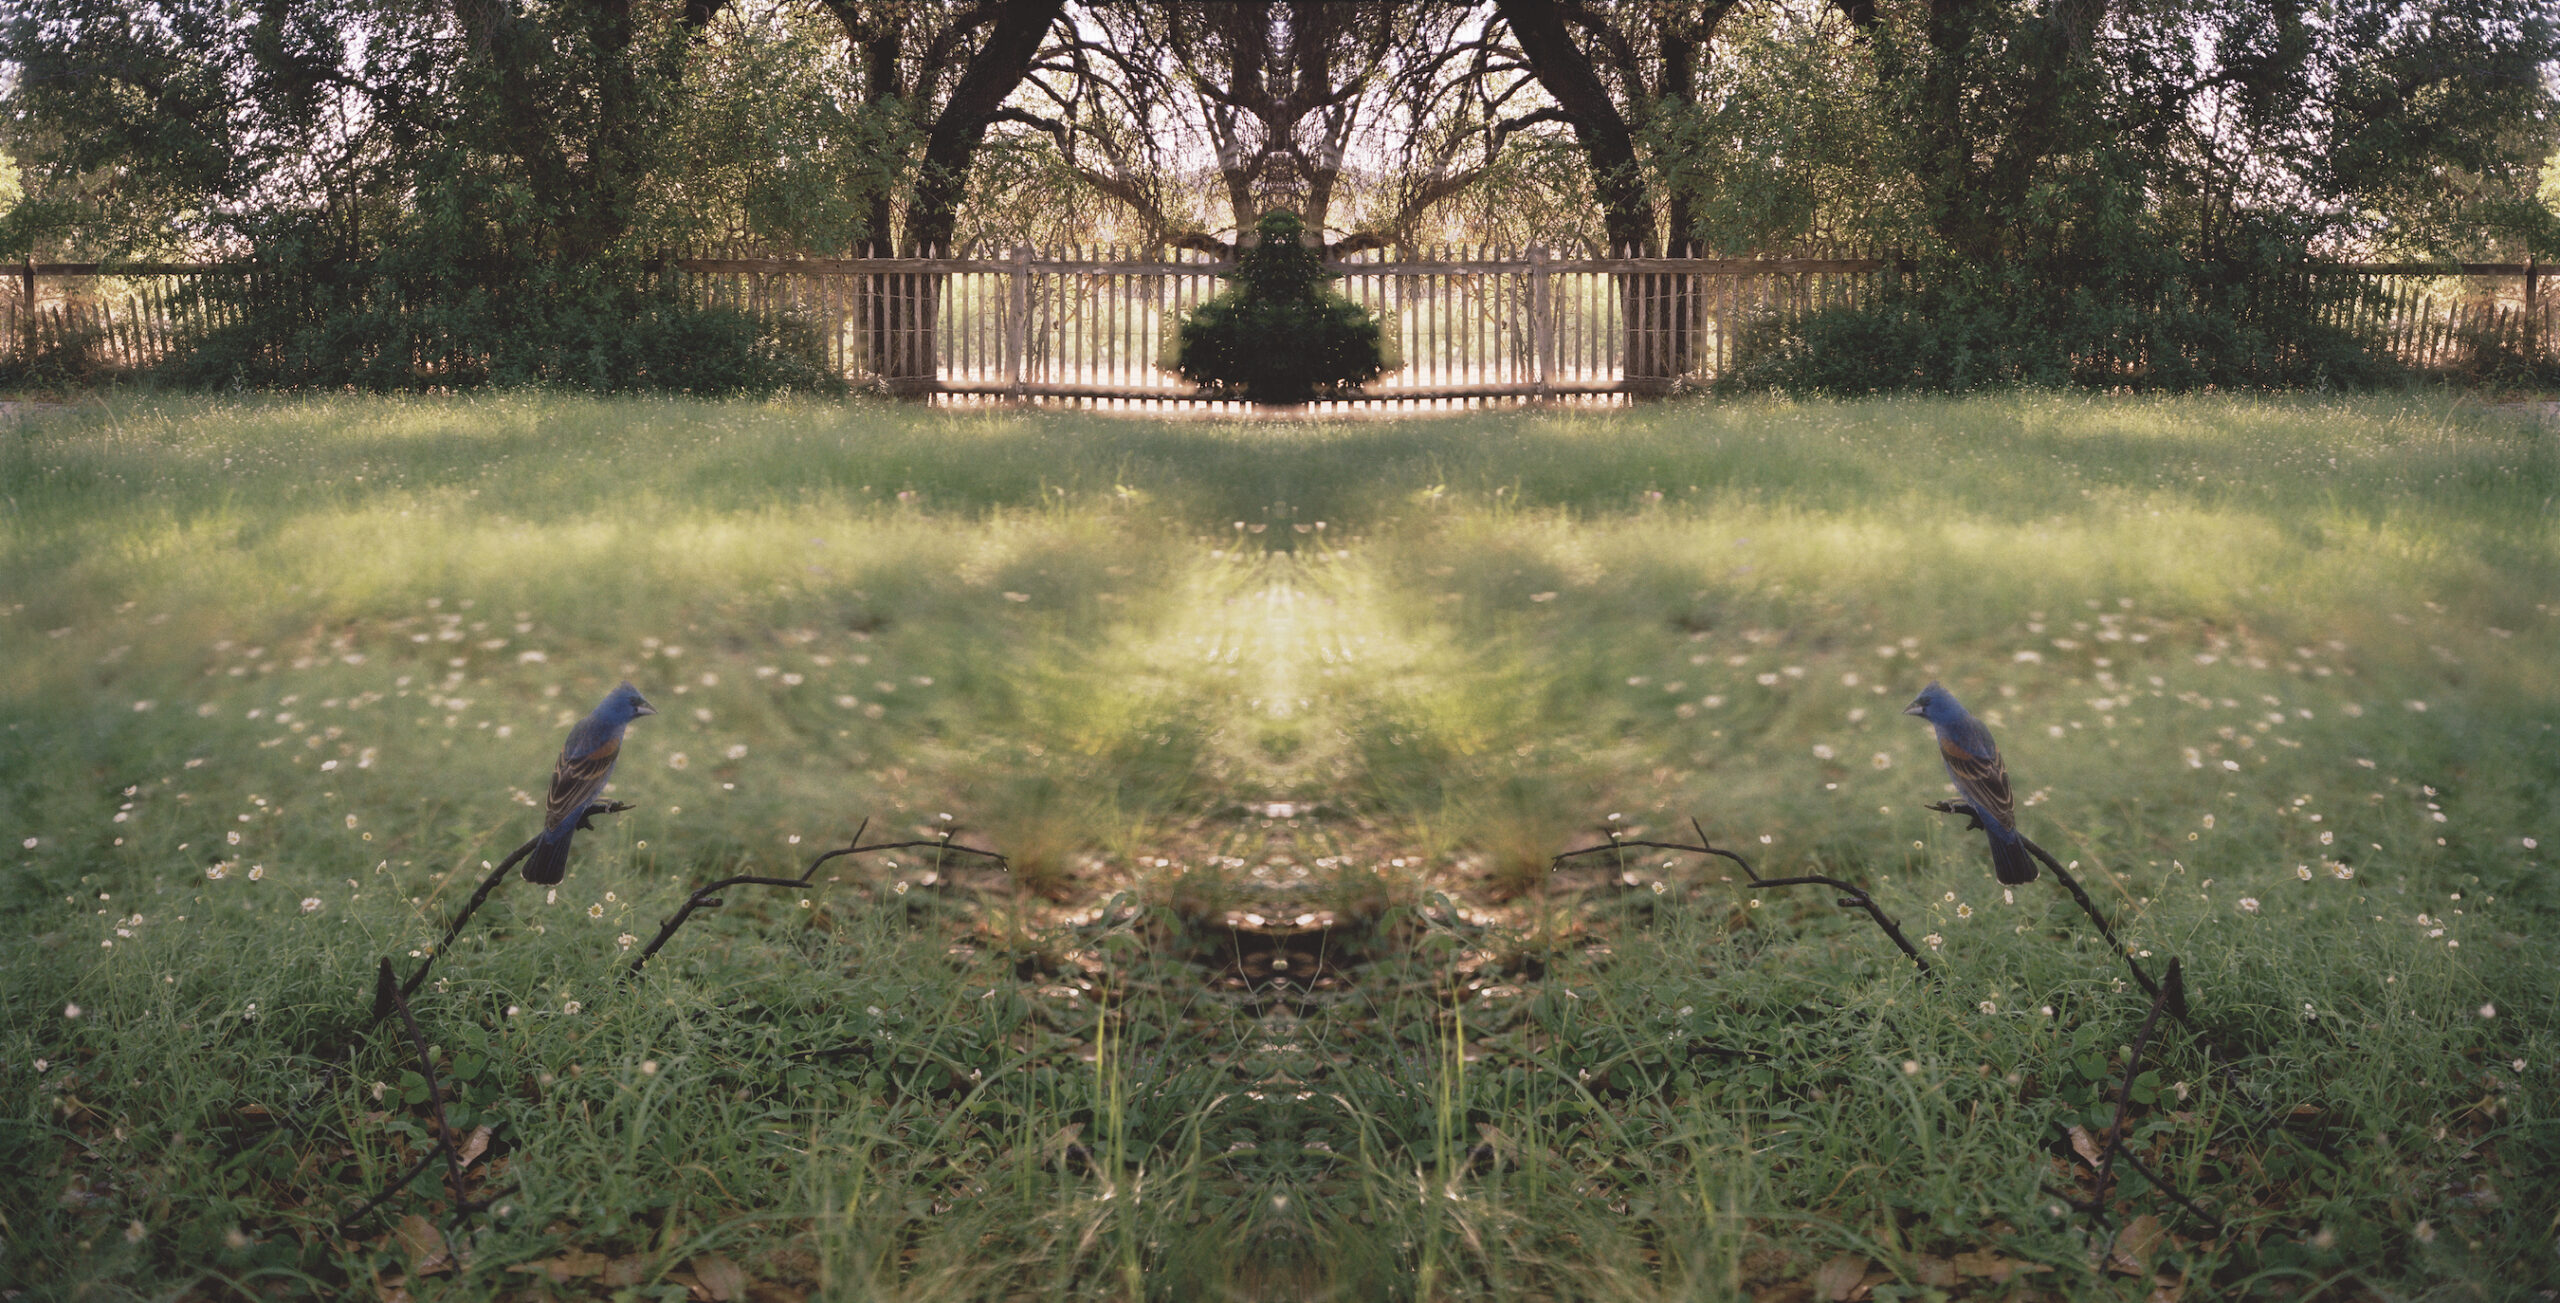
[{"x": 601, "y": 807}]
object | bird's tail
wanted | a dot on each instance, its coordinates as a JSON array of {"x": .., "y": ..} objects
[
  {"x": 550, "y": 861},
  {"x": 2009, "y": 861}
]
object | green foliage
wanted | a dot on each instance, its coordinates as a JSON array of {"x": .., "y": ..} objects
[
  {"x": 771, "y": 146},
  {"x": 430, "y": 212},
  {"x": 417, "y": 317},
  {"x": 1278, "y": 334},
  {"x": 2125, "y": 203},
  {"x": 2139, "y": 321}
]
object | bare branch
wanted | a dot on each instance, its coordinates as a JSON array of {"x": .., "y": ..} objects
[
  {"x": 707, "y": 897},
  {"x": 1853, "y": 897},
  {"x": 381, "y": 1004},
  {"x": 2178, "y": 1000}
]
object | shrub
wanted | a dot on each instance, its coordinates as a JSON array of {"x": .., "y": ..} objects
[
  {"x": 1278, "y": 334},
  {"x": 447, "y": 300},
  {"x": 2153, "y": 320}
]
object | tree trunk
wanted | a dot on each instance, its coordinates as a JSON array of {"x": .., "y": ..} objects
[
  {"x": 904, "y": 349},
  {"x": 1653, "y": 312}
]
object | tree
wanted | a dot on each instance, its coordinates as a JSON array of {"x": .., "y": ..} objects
[{"x": 1279, "y": 93}]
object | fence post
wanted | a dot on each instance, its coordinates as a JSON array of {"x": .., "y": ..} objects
[
  {"x": 2532, "y": 321},
  {"x": 1542, "y": 320},
  {"x": 1017, "y": 334}
]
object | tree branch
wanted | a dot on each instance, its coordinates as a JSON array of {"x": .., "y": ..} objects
[
  {"x": 2178, "y": 1002},
  {"x": 1855, "y": 897},
  {"x": 708, "y": 897}
]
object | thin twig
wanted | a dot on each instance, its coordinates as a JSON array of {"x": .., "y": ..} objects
[
  {"x": 855, "y": 1047},
  {"x": 1856, "y": 897},
  {"x": 708, "y": 897},
  {"x": 478, "y": 898},
  {"x": 2178, "y": 1002},
  {"x": 462, "y": 1204},
  {"x": 2213, "y": 1225},
  {"x": 2124, "y": 1091},
  {"x": 397, "y": 1185}
]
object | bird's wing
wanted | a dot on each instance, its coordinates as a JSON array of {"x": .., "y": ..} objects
[
  {"x": 1983, "y": 780},
  {"x": 577, "y": 780}
]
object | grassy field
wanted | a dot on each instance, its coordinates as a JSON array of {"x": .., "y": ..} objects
[{"x": 1280, "y": 725}]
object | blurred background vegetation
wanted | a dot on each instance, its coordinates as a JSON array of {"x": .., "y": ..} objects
[{"x": 493, "y": 183}]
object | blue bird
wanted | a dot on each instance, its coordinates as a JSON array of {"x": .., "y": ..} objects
[
  {"x": 586, "y": 761},
  {"x": 1983, "y": 781}
]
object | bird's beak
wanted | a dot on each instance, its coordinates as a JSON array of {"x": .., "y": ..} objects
[
  {"x": 644, "y": 708},
  {"x": 1914, "y": 709}
]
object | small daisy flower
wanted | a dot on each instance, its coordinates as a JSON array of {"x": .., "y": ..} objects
[
  {"x": 2248, "y": 904},
  {"x": 257, "y": 872},
  {"x": 1934, "y": 940},
  {"x": 2302, "y": 871},
  {"x": 677, "y": 761},
  {"x": 1964, "y": 911},
  {"x": 311, "y": 904},
  {"x": 738, "y": 751},
  {"x": 571, "y": 1007},
  {"x": 595, "y": 911}
]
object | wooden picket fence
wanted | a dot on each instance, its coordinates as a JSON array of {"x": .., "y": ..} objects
[
  {"x": 1096, "y": 323},
  {"x": 1089, "y": 324}
]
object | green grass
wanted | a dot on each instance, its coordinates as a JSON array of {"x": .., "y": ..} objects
[{"x": 1280, "y": 724}]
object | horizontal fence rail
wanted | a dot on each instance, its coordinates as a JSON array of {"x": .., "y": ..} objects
[{"x": 1098, "y": 323}]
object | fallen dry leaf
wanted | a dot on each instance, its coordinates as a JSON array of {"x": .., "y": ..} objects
[
  {"x": 1940, "y": 1272},
  {"x": 625, "y": 1271},
  {"x": 2131, "y": 1254},
  {"x": 770, "y": 1292},
  {"x": 721, "y": 1278},
  {"x": 475, "y": 1144},
  {"x": 2085, "y": 1145},
  {"x": 424, "y": 1245},
  {"x": 565, "y": 1268},
  {"x": 1989, "y": 1266},
  {"x": 1837, "y": 1281}
]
